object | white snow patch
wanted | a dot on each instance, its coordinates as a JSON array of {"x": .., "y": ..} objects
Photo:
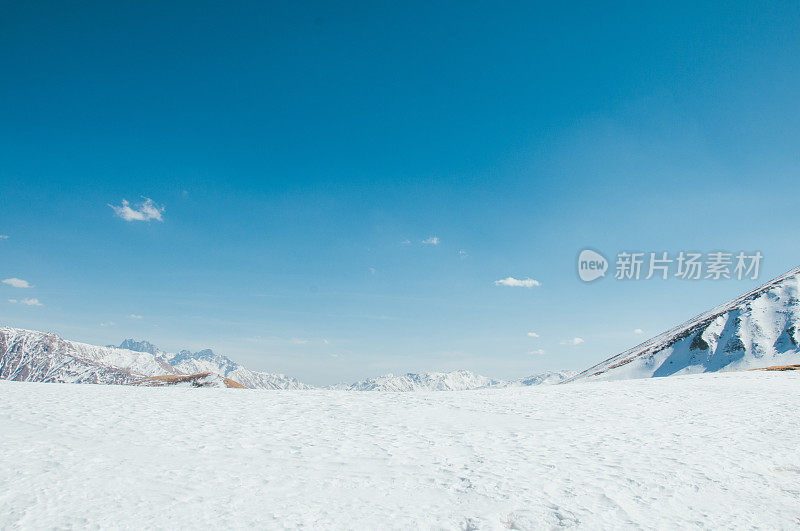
[{"x": 712, "y": 451}]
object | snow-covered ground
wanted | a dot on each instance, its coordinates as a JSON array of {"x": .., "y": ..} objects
[{"x": 715, "y": 450}]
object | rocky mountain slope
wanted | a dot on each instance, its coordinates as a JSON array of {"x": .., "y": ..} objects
[
  {"x": 28, "y": 355},
  {"x": 759, "y": 329}
]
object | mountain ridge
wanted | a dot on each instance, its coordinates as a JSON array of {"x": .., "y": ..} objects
[
  {"x": 30, "y": 355},
  {"x": 756, "y": 329},
  {"x": 458, "y": 380}
]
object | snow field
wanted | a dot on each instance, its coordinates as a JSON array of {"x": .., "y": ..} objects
[{"x": 715, "y": 450}]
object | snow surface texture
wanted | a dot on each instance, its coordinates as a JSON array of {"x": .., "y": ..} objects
[
  {"x": 713, "y": 450},
  {"x": 758, "y": 329}
]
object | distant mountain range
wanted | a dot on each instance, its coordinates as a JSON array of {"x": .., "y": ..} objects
[
  {"x": 758, "y": 329},
  {"x": 208, "y": 361},
  {"x": 450, "y": 381},
  {"x": 31, "y": 356},
  {"x": 28, "y": 355}
]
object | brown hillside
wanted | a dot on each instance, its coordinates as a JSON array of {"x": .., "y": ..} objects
[{"x": 195, "y": 379}]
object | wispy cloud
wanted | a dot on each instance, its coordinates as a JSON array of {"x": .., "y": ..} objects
[
  {"x": 110, "y": 323},
  {"x": 144, "y": 211},
  {"x": 538, "y": 352},
  {"x": 533, "y": 334},
  {"x": 433, "y": 240},
  {"x": 462, "y": 253},
  {"x": 17, "y": 282},
  {"x": 26, "y": 302},
  {"x": 517, "y": 283},
  {"x": 135, "y": 316},
  {"x": 638, "y": 331},
  {"x": 282, "y": 340},
  {"x": 3, "y": 237},
  {"x": 574, "y": 341}
]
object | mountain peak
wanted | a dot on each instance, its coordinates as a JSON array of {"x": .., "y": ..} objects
[
  {"x": 140, "y": 346},
  {"x": 203, "y": 361}
]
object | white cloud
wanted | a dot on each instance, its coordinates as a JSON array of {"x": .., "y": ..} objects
[
  {"x": 533, "y": 334},
  {"x": 433, "y": 240},
  {"x": 537, "y": 352},
  {"x": 372, "y": 270},
  {"x": 299, "y": 341},
  {"x": 144, "y": 211},
  {"x": 3, "y": 237},
  {"x": 135, "y": 316},
  {"x": 638, "y": 331},
  {"x": 405, "y": 241},
  {"x": 26, "y": 302},
  {"x": 110, "y": 323},
  {"x": 573, "y": 341},
  {"x": 517, "y": 283},
  {"x": 462, "y": 253},
  {"x": 17, "y": 283}
]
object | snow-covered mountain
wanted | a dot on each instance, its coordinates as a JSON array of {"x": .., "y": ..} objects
[
  {"x": 427, "y": 381},
  {"x": 140, "y": 346},
  {"x": 28, "y": 355},
  {"x": 545, "y": 378},
  {"x": 449, "y": 381},
  {"x": 759, "y": 329},
  {"x": 31, "y": 356},
  {"x": 208, "y": 361},
  {"x": 201, "y": 361}
]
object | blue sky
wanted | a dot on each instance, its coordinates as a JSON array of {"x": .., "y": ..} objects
[{"x": 303, "y": 151}]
